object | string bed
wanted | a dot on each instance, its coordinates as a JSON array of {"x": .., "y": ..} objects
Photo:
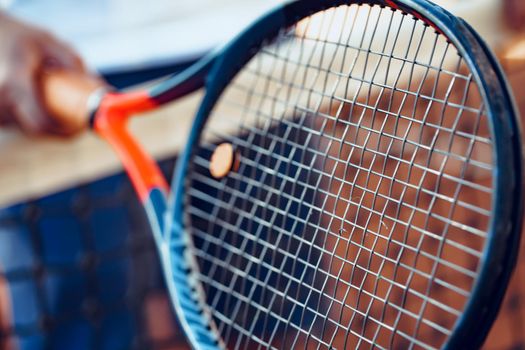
[{"x": 359, "y": 212}]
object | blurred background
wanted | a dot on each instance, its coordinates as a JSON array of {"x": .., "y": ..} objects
[{"x": 79, "y": 268}]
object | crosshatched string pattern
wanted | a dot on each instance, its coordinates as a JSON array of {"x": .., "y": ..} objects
[{"x": 360, "y": 210}]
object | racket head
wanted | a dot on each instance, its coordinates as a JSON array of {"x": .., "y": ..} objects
[{"x": 498, "y": 250}]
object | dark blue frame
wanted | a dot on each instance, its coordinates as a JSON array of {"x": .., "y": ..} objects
[{"x": 216, "y": 71}]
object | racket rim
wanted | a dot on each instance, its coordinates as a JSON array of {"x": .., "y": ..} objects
[
  {"x": 211, "y": 73},
  {"x": 515, "y": 190}
]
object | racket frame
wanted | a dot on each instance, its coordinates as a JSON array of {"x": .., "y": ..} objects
[{"x": 165, "y": 209}]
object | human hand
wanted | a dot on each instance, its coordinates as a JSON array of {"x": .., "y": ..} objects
[{"x": 26, "y": 53}]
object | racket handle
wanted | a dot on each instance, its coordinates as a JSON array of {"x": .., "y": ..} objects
[{"x": 66, "y": 96}]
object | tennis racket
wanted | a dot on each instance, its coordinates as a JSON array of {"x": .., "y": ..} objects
[{"x": 352, "y": 179}]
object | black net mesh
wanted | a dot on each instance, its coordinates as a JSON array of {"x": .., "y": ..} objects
[{"x": 80, "y": 271}]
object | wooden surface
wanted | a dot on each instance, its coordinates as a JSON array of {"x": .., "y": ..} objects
[{"x": 32, "y": 167}]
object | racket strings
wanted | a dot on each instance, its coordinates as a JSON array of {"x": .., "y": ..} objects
[
  {"x": 391, "y": 155},
  {"x": 294, "y": 183},
  {"x": 243, "y": 284},
  {"x": 272, "y": 260},
  {"x": 361, "y": 158}
]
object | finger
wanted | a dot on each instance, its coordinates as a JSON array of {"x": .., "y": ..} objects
[
  {"x": 58, "y": 54},
  {"x": 29, "y": 115},
  {"x": 18, "y": 93},
  {"x": 28, "y": 110}
]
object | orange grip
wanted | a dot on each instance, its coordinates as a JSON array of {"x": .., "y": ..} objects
[{"x": 66, "y": 94}]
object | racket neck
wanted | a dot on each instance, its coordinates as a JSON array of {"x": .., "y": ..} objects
[{"x": 110, "y": 122}]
